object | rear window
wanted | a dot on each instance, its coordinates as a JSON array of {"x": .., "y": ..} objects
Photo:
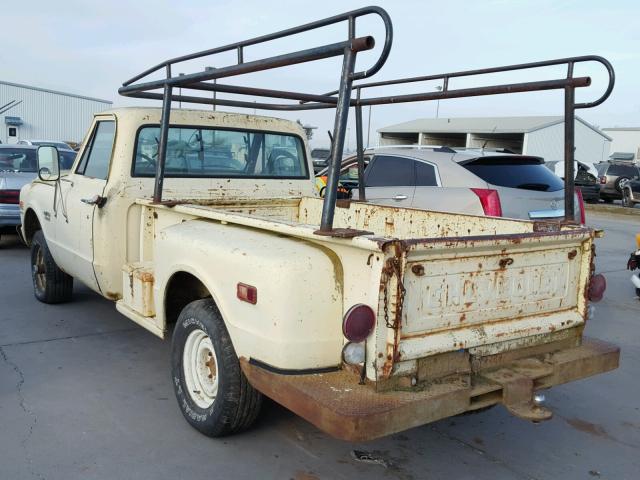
[
  {"x": 215, "y": 153},
  {"x": 526, "y": 173},
  {"x": 18, "y": 159},
  {"x": 622, "y": 171}
]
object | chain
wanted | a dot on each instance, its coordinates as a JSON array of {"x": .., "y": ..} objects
[{"x": 395, "y": 263}]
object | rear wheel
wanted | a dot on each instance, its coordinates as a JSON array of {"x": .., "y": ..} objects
[
  {"x": 212, "y": 392},
  {"x": 50, "y": 284}
]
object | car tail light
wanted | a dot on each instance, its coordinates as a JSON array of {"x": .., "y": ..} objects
[
  {"x": 10, "y": 196},
  {"x": 490, "y": 201},
  {"x": 597, "y": 286},
  {"x": 581, "y": 205},
  {"x": 603, "y": 179},
  {"x": 358, "y": 323}
]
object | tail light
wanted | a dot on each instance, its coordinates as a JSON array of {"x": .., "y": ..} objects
[
  {"x": 581, "y": 205},
  {"x": 597, "y": 286},
  {"x": 358, "y": 323},
  {"x": 490, "y": 201},
  {"x": 602, "y": 179},
  {"x": 10, "y": 196}
]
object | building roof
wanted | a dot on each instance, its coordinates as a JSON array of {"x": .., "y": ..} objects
[
  {"x": 55, "y": 92},
  {"x": 481, "y": 125}
]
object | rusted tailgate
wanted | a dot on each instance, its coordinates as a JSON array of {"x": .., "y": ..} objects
[{"x": 469, "y": 292}]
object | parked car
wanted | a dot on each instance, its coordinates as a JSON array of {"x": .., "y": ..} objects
[
  {"x": 319, "y": 156},
  {"x": 17, "y": 168},
  {"x": 612, "y": 175},
  {"x": 586, "y": 178},
  {"x": 37, "y": 143},
  {"x": 631, "y": 192},
  {"x": 468, "y": 181}
]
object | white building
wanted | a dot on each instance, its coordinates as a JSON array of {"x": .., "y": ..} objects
[
  {"x": 625, "y": 140},
  {"x": 28, "y": 113},
  {"x": 541, "y": 136}
]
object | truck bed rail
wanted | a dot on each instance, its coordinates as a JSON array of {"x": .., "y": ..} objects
[{"x": 342, "y": 98}]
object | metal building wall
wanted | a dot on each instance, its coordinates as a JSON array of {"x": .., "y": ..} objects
[
  {"x": 48, "y": 115},
  {"x": 548, "y": 143}
]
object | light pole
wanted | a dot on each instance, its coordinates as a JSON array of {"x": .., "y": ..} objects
[
  {"x": 439, "y": 88},
  {"x": 215, "y": 80}
]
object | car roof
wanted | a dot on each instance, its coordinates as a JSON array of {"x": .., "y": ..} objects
[
  {"x": 30, "y": 147},
  {"x": 18, "y": 146}
]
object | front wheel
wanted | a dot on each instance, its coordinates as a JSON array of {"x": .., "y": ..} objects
[
  {"x": 212, "y": 392},
  {"x": 50, "y": 283},
  {"x": 626, "y": 199}
]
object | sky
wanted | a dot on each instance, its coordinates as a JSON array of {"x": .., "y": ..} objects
[{"x": 91, "y": 48}]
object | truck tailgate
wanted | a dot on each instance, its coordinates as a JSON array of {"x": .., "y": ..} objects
[{"x": 477, "y": 291}]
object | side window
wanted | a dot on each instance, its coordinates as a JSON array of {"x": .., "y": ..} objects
[
  {"x": 387, "y": 171},
  {"x": 95, "y": 158},
  {"x": 426, "y": 175}
]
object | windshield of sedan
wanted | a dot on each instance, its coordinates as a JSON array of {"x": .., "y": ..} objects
[
  {"x": 18, "y": 159},
  {"x": 217, "y": 153}
]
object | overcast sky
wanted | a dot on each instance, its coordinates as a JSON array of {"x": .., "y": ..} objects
[{"x": 90, "y": 48}]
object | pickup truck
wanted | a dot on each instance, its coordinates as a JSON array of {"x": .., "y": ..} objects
[{"x": 418, "y": 316}]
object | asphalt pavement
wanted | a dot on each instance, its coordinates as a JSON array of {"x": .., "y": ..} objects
[{"x": 86, "y": 394}]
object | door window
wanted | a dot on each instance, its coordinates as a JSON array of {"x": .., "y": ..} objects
[
  {"x": 388, "y": 171},
  {"x": 426, "y": 175},
  {"x": 97, "y": 155}
]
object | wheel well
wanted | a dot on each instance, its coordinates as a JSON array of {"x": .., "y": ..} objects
[
  {"x": 182, "y": 289},
  {"x": 31, "y": 225}
]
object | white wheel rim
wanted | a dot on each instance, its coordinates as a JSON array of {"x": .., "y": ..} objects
[{"x": 200, "y": 368}]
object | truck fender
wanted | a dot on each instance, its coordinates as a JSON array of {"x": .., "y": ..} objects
[{"x": 295, "y": 323}]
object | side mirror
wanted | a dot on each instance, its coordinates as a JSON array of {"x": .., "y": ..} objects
[{"x": 48, "y": 163}]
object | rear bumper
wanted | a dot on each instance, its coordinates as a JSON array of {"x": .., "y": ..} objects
[
  {"x": 9, "y": 215},
  {"x": 590, "y": 192},
  {"x": 335, "y": 402}
]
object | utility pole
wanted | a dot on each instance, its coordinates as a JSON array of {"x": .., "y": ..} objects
[
  {"x": 215, "y": 81},
  {"x": 439, "y": 88}
]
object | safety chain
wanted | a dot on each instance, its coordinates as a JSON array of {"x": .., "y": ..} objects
[{"x": 395, "y": 268}]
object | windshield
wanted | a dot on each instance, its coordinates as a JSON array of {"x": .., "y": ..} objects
[
  {"x": 526, "y": 173},
  {"x": 211, "y": 153},
  {"x": 18, "y": 159}
]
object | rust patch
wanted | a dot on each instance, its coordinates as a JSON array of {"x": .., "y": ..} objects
[
  {"x": 505, "y": 262},
  {"x": 113, "y": 296},
  {"x": 418, "y": 270}
]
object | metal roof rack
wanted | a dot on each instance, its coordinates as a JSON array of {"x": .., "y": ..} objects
[{"x": 341, "y": 100}]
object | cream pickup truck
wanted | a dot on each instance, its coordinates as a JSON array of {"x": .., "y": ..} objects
[{"x": 407, "y": 317}]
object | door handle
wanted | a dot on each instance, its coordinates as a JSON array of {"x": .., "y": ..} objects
[
  {"x": 400, "y": 197},
  {"x": 95, "y": 200}
]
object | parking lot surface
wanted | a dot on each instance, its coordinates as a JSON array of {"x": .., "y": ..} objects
[{"x": 86, "y": 394}]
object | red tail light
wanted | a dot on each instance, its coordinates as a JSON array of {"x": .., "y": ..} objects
[
  {"x": 597, "y": 286},
  {"x": 581, "y": 205},
  {"x": 602, "y": 179},
  {"x": 10, "y": 196},
  {"x": 490, "y": 201},
  {"x": 358, "y": 323}
]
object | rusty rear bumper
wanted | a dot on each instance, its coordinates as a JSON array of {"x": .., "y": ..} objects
[{"x": 335, "y": 402}]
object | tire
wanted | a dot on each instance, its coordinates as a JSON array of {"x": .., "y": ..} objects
[
  {"x": 50, "y": 284},
  {"x": 619, "y": 182},
  {"x": 216, "y": 399},
  {"x": 626, "y": 199}
]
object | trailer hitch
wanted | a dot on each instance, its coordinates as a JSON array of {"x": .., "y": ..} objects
[{"x": 518, "y": 393}]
